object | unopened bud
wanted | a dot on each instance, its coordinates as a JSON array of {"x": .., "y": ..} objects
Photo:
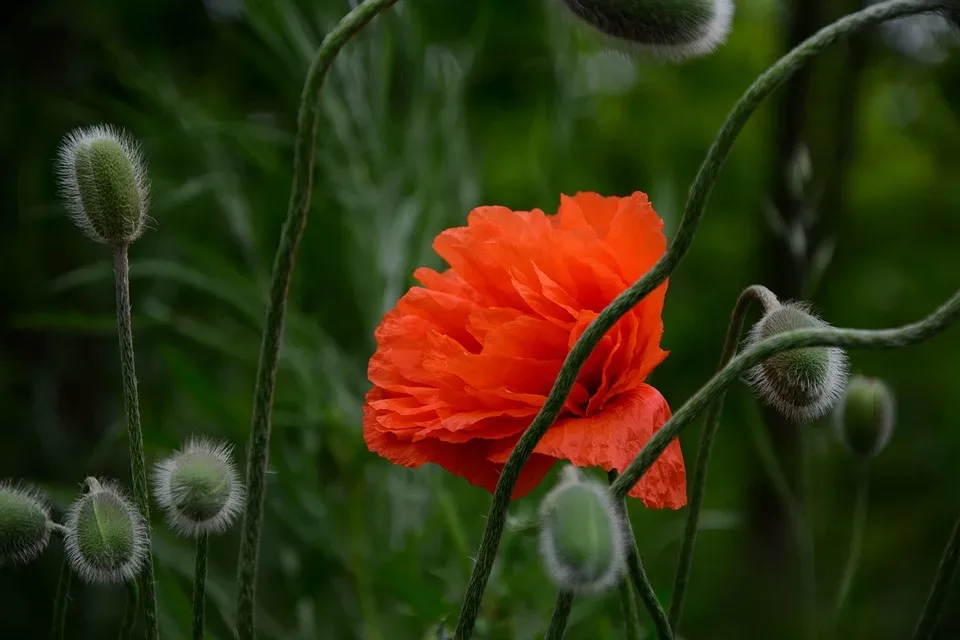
[
  {"x": 105, "y": 538},
  {"x": 103, "y": 179},
  {"x": 864, "y": 418},
  {"x": 24, "y": 523},
  {"x": 672, "y": 29},
  {"x": 802, "y": 384},
  {"x": 199, "y": 488},
  {"x": 582, "y": 539}
]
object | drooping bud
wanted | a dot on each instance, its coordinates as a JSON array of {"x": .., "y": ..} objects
[
  {"x": 672, "y": 29},
  {"x": 24, "y": 523},
  {"x": 105, "y": 538},
  {"x": 103, "y": 179},
  {"x": 864, "y": 418},
  {"x": 802, "y": 384},
  {"x": 582, "y": 539},
  {"x": 199, "y": 488}
]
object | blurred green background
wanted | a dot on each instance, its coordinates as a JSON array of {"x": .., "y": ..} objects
[{"x": 437, "y": 107}]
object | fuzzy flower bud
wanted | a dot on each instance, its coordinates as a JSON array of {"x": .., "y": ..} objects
[
  {"x": 672, "y": 29},
  {"x": 582, "y": 539},
  {"x": 106, "y": 538},
  {"x": 103, "y": 179},
  {"x": 864, "y": 418},
  {"x": 24, "y": 523},
  {"x": 802, "y": 384},
  {"x": 199, "y": 488}
]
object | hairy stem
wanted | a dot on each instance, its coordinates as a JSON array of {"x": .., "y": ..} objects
[
  {"x": 774, "y": 78},
  {"x": 904, "y": 336},
  {"x": 561, "y": 613},
  {"x": 129, "y": 621},
  {"x": 768, "y": 300},
  {"x": 138, "y": 469},
  {"x": 200, "y": 585},
  {"x": 856, "y": 542},
  {"x": 62, "y": 598},
  {"x": 638, "y": 575},
  {"x": 930, "y": 616},
  {"x": 293, "y": 226},
  {"x": 628, "y": 601}
]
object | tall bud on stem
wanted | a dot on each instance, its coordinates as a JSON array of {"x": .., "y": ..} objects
[{"x": 103, "y": 179}]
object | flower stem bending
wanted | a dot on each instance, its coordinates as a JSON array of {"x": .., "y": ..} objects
[
  {"x": 927, "y": 623},
  {"x": 200, "y": 585},
  {"x": 768, "y": 300},
  {"x": 138, "y": 468},
  {"x": 904, "y": 336},
  {"x": 62, "y": 598},
  {"x": 639, "y": 576},
  {"x": 771, "y": 80},
  {"x": 293, "y": 226},
  {"x": 856, "y": 541},
  {"x": 561, "y": 613}
]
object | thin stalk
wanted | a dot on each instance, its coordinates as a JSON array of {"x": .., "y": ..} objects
[
  {"x": 129, "y": 621},
  {"x": 631, "y": 619},
  {"x": 561, "y": 613},
  {"x": 808, "y": 560},
  {"x": 769, "y": 82},
  {"x": 856, "y": 542},
  {"x": 698, "y": 486},
  {"x": 930, "y": 616},
  {"x": 299, "y": 206},
  {"x": 639, "y": 577},
  {"x": 138, "y": 468},
  {"x": 200, "y": 585},
  {"x": 62, "y": 598}
]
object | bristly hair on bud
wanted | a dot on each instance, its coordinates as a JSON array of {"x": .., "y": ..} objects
[
  {"x": 105, "y": 537},
  {"x": 199, "y": 488},
  {"x": 582, "y": 535},
  {"x": 865, "y": 416},
  {"x": 802, "y": 384},
  {"x": 103, "y": 181},
  {"x": 24, "y": 523},
  {"x": 670, "y": 29}
]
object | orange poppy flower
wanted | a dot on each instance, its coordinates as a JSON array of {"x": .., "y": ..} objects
[{"x": 465, "y": 361}]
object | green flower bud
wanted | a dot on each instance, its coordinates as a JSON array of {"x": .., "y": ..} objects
[
  {"x": 105, "y": 538},
  {"x": 672, "y": 29},
  {"x": 199, "y": 488},
  {"x": 802, "y": 384},
  {"x": 24, "y": 523},
  {"x": 103, "y": 179},
  {"x": 582, "y": 538},
  {"x": 864, "y": 419}
]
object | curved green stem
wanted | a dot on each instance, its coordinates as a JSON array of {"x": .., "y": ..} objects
[
  {"x": 639, "y": 577},
  {"x": 129, "y": 621},
  {"x": 904, "y": 336},
  {"x": 628, "y": 601},
  {"x": 561, "y": 613},
  {"x": 200, "y": 585},
  {"x": 930, "y": 616},
  {"x": 856, "y": 541},
  {"x": 807, "y": 540},
  {"x": 62, "y": 598},
  {"x": 773, "y": 79},
  {"x": 293, "y": 226},
  {"x": 768, "y": 300},
  {"x": 134, "y": 433}
]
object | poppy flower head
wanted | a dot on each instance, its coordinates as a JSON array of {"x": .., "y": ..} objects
[{"x": 465, "y": 361}]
